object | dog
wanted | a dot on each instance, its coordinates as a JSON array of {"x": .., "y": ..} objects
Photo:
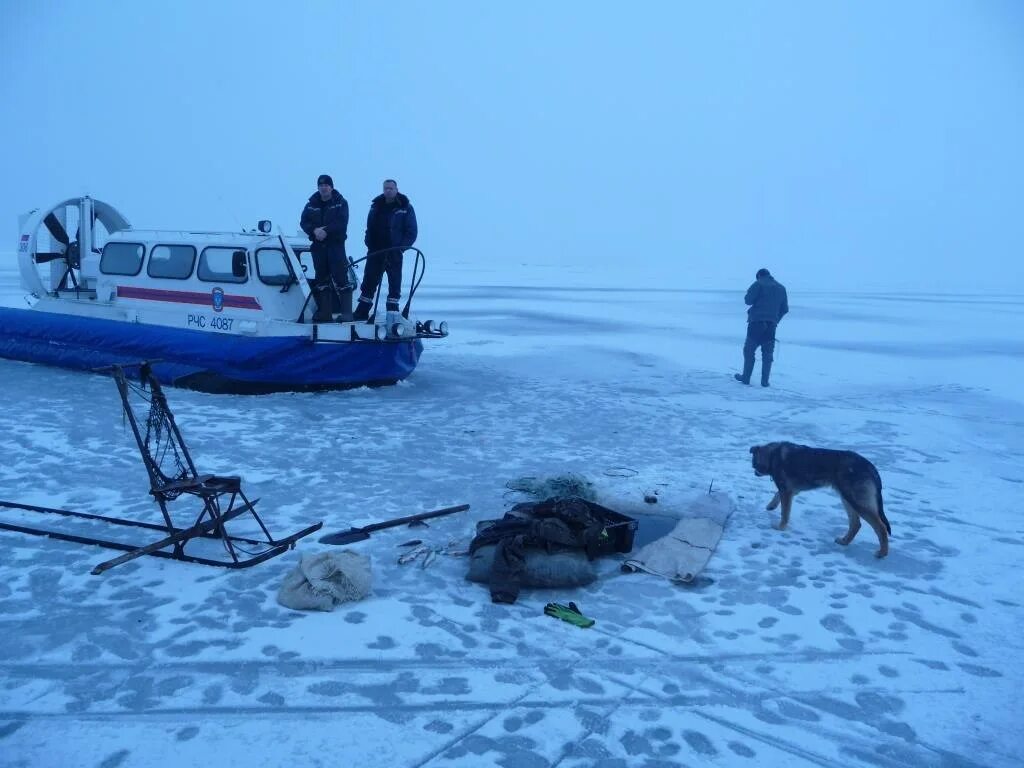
[{"x": 796, "y": 468}]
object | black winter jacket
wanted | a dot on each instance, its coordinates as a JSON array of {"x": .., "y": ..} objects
[
  {"x": 767, "y": 299},
  {"x": 333, "y": 216},
  {"x": 389, "y": 226}
]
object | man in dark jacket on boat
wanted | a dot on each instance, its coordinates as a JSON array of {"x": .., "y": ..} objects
[
  {"x": 768, "y": 305},
  {"x": 390, "y": 228},
  {"x": 325, "y": 220}
]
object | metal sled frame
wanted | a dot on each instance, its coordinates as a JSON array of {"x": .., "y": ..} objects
[{"x": 221, "y": 497}]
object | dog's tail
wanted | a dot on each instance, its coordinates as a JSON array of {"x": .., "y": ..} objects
[{"x": 881, "y": 509}]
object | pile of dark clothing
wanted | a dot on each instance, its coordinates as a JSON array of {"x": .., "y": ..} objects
[{"x": 522, "y": 548}]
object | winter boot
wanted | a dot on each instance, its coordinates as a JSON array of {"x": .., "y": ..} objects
[
  {"x": 323, "y": 306},
  {"x": 362, "y": 310},
  {"x": 748, "y": 369},
  {"x": 766, "y": 369}
]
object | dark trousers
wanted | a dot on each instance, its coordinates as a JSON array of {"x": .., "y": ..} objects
[
  {"x": 376, "y": 265},
  {"x": 759, "y": 334},
  {"x": 331, "y": 278},
  {"x": 322, "y": 282}
]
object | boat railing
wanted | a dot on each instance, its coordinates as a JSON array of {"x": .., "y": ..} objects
[{"x": 418, "y": 269}]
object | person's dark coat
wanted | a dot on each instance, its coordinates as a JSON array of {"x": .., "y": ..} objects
[
  {"x": 767, "y": 299},
  {"x": 330, "y": 262},
  {"x": 332, "y": 215},
  {"x": 551, "y": 525},
  {"x": 390, "y": 225}
]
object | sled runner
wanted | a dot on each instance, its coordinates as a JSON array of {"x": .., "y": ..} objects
[{"x": 175, "y": 485}]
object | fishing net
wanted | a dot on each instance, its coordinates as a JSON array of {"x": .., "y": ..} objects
[{"x": 558, "y": 487}]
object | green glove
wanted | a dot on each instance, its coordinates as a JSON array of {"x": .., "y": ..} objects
[{"x": 569, "y": 613}]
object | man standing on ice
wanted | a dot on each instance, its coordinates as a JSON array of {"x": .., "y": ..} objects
[
  {"x": 768, "y": 305},
  {"x": 390, "y": 229}
]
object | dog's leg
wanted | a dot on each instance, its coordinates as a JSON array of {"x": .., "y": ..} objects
[
  {"x": 866, "y": 505},
  {"x": 871, "y": 515},
  {"x": 774, "y": 502},
  {"x": 786, "y": 498},
  {"x": 854, "y": 520}
]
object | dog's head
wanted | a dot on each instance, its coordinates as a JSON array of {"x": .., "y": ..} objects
[{"x": 764, "y": 457}]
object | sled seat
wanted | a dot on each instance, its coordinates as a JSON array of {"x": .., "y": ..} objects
[{"x": 199, "y": 484}]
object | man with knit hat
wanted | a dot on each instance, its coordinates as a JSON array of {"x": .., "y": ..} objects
[{"x": 325, "y": 221}]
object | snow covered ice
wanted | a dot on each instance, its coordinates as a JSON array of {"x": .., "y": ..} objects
[{"x": 789, "y": 650}]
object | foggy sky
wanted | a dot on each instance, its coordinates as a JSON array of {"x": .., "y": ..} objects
[{"x": 844, "y": 145}]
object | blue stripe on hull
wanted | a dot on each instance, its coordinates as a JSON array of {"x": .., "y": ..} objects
[{"x": 203, "y": 360}]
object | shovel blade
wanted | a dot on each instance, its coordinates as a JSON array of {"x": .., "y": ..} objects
[{"x": 350, "y": 536}]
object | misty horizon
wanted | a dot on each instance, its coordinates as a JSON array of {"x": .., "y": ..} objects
[{"x": 848, "y": 146}]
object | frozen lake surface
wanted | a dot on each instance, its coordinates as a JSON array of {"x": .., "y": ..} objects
[{"x": 790, "y": 650}]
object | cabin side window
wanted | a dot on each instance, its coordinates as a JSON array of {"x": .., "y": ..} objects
[
  {"x": 173, "y": 261},
  {"x": 272, "y": 267},
  {"x": 306, "y": 262},
  {"x": 122, "y": 258},
  {"x": 218, "y": 264}
]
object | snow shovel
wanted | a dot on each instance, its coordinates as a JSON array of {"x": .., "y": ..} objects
[{"x": 352, "y": 535}]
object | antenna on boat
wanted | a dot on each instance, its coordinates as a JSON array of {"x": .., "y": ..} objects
[{"x": 231, "y": 211}]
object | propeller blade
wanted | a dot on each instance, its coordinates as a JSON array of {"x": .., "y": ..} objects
[
  {"x": 42, "y": 258},
  {"x": 56, "y": 229}
]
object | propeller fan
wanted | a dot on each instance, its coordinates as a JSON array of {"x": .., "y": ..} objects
[
  {"x": 71, "y": 255},
  {"x": 69, "y": 258}
]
